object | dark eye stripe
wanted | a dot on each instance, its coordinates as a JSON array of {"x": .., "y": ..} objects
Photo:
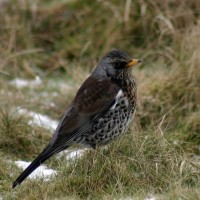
[{"x": 119, "y": 64}]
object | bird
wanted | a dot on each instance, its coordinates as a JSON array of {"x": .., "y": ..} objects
[{"x": 102, "y": 109}]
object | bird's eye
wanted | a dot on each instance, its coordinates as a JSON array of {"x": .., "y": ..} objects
[{"x": 117, "y": 64}]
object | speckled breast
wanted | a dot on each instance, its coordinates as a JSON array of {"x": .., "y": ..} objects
[{"x": 115, "y": 121}]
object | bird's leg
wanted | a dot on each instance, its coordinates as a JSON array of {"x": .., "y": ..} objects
[{"x": 94, "y": 146}]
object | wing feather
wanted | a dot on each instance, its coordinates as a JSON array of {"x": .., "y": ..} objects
[{"x": 91, "y": 102}]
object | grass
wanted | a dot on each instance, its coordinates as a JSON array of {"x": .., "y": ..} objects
[
  {"x": 18, "y": 138},
  {"x": 150, "y": 165},
  {"x": 61, "y": 42}
]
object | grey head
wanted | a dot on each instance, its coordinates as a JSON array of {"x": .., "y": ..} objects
[{"x": 115, "y": 63}]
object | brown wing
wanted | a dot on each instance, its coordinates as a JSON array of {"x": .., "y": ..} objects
[
  {"x": 95, "y": 95},
  {"x": 90, "y": 102}
]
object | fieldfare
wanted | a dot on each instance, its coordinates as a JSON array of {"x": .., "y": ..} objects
[{"x": 102, "y": 109}]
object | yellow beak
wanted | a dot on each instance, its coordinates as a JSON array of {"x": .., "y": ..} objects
[{"x": 133, "y": 62}]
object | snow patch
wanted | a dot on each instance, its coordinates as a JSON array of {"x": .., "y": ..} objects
[
  {"x": 39, "y": 119},
  {"x": 72, "y": 155},
  {"x": 21, "y": 83},
  {"x": 151, "y": 197},
  {"x": 41, "y": 172}
]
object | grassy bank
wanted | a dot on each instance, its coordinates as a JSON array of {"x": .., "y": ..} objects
[{"x": 61, "y": 42}]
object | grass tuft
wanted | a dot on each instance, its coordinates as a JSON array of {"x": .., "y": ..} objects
[{"x": 18, "y": 138}]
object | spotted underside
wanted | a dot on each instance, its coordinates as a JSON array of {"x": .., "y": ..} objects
[{"x": 112, "y": 123}]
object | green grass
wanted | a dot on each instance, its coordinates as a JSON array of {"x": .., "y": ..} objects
[
  {"x": 149, "y": 165},
  {"x": 18, "y": 138},
  {"x": 61, "y": 42}
]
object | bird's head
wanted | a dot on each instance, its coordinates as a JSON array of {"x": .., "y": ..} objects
[{"x": 117, "y": 62}]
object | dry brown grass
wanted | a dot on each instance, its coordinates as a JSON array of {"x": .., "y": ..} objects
[{"x": 61, "y": 42}]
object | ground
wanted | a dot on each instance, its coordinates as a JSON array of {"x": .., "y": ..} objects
[{"x": 48, "y": 48}]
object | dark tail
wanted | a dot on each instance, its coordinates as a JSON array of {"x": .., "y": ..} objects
[{"x": 44, "y": 155}]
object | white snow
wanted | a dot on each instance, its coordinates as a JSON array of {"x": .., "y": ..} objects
[
  {"x": 72, "y": 154},
  {"x": 42, "y": 120},
  {"x": 20, "y": 83},
  {"x": 64, "y": 87},
  {"x": 39, "y": 119},
  {"x": 40, "y": 172},
  {"x": 151, "y": 197}
]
